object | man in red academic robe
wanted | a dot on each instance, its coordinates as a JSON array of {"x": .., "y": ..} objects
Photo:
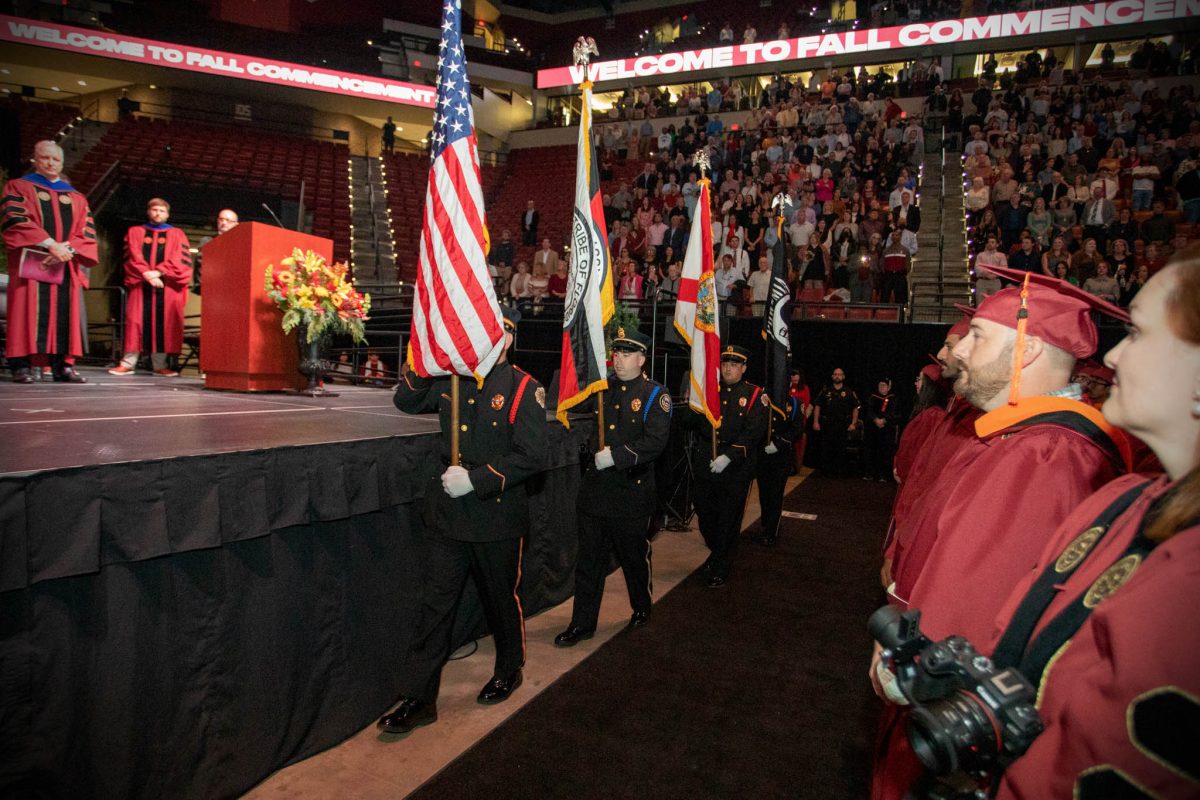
[
  {"x": 1038, "y": 451},
  {"x": 936, "y": 448},
  {"x": 41, "y": 210},
  {"x": 158, "y": 269}
]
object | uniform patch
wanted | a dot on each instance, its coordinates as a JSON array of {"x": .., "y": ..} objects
[
  {"x": 65, "y": 199},
  {"x": 1106, "y": 782},
  {"x": 1156, "y": 721},
  {"x": 664, "y": 402},
  {"x": 497, "y": 402},
  {"x": 43, "y": 196},
  {"x": 765, "y": 401},
  {"x": 635, "y": 404},
  {"x": 1111, "y": 580},
  {"x": 539, "y": 394},
  {"x": 620, "y": 333},
  {"x": 1077, "y": 549},
  {"x": 742, "y": 402}
]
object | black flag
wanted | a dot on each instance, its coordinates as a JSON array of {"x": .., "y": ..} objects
[{"x": 776, "y": 317}]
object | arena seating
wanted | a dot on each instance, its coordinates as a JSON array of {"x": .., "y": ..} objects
[
  {"x": 231, "y": 156},
  {"x": 407, "y": 177},
  {"x": 39, "y": 120}
]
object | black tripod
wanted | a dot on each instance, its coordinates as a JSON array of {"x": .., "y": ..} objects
[{"x": 677, "y": 509}]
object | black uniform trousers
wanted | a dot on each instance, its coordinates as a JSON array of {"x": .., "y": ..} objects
[
  {"x": 881, "y": 450},
  {"x": 496, "y": 569},
  {"x": 720, "y": 506},
  {"x": 598, "y": 537},
  {"x": 835, "y": 436},
  {"x": 772, "y": 472}
]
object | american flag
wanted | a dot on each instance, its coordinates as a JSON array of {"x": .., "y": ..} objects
[{"x": 456, "y": 325}]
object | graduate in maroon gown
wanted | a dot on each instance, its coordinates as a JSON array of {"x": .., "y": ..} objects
[
  {"x": 1038, "y": 451},
  {"x": 41, "y": 210},
  {"x": 955, "y": 427},
  {"x": 1119, "y": 689},
  {"x": 158, "y": 270},
  {"x": 928, "y": 412}
]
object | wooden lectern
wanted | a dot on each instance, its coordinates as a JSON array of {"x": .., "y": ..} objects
[{"x": 242, "y": 343}]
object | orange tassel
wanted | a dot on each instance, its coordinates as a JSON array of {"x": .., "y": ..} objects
[{"x": 1014, "y": 394}]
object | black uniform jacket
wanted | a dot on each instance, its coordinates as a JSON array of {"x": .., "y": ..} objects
[
  {"x": 744, "y": 408},
  {"x": 502, "y": 441},
  {"x": 637, "y": 421},
  {"x": 786, "y": 426}
]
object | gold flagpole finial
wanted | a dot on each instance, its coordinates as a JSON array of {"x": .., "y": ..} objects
[{"x": 585, "y": 48}]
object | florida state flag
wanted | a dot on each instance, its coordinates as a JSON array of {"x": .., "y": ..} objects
[{"x": 696, "y": 316}]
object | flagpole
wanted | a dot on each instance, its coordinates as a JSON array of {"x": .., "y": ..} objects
[
  {"x": 600, "y": 419},
  {"x": 454, "y": 459}
]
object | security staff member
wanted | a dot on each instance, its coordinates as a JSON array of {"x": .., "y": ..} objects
[
  {"x": 475, "y": 515},
  {"x": 723, "y": 482},
  {"x": 775, "y": 463},
  {"x": 835, "y": 416},
  {"x": 616, "y": 495}
]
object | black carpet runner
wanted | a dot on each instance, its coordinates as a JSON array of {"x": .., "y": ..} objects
[{"x": 755, "y": 690}]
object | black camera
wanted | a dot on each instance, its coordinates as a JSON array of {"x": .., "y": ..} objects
[{"x": 967, "y": 716}]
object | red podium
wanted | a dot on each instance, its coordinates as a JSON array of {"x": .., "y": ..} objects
[{"x": 242, "y": 345}]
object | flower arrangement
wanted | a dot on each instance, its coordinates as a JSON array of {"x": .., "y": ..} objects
[{"x": 321, "y": 297}]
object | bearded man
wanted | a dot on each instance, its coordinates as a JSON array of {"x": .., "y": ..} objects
[{"x": 1039, "y": 449}]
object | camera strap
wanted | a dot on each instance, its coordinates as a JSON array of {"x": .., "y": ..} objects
[{"x": 1031, "y": 658}]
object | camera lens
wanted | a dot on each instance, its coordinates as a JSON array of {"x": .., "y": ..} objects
[{"x": 956, "y": 734}]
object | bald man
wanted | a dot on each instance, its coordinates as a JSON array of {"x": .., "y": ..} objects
[{"x": 42, "y": 211}]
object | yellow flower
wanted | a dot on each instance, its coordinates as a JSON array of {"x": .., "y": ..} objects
[
  {"x": 321, "y": 291},
  {"x": 287, "y": 276}
]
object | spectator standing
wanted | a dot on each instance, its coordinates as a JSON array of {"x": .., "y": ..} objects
[
  {"x": 501, "y": 256},
  {"x": 389, "y": 136},
  {"x": 1098, "y": 214},
  {"x": 1102, "y": 284},
  {"x": 529, "y": 223}
]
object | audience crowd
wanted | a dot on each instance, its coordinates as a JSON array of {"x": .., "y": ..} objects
[
  {"x": 848, "y": 166},
  {"x": 1095, "y": 182}
]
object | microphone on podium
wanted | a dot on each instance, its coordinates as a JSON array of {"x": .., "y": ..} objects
[{"x": 272, "y": 213}]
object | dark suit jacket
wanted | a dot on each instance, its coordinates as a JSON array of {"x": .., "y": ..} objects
[
  {"x": 533, "y": 224},
  {"x": 913, "y": 217}
]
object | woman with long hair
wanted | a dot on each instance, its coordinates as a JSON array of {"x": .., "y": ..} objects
[
  {"x": 1055, "y": 255},
  {"x": 1040, "y": 222},
  {"x": 933, "y": 395},
  {"x": 1105, "y": 626}
]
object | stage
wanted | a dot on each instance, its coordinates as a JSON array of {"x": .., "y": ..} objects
[
  {"x": 199, "y": 587},
  {"x": 111, "y": 420}
]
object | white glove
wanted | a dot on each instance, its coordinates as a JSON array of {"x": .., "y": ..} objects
[
  {"x": 719, "y": 464},
  {"x": 604, "y": 458},
  {"x": 887, "y": 680},
  {"x": 456, "y": 481},
  {"x": 770, "y": 449}
]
